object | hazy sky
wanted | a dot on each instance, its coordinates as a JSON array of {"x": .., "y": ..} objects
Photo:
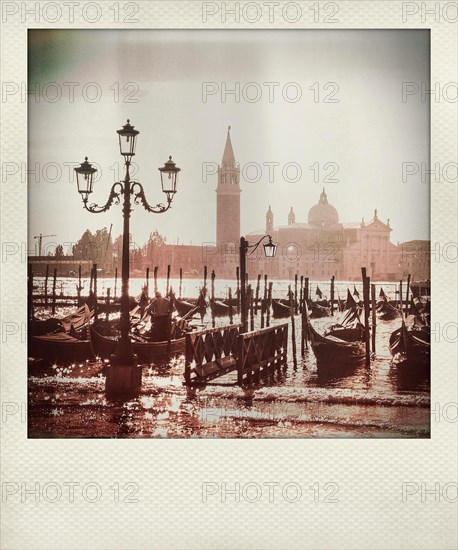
[{"x": 368, "y": 133}]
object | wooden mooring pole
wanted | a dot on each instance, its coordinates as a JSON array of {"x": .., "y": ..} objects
[
  {"x": 167, "y": 287},
  {"x": 181, "y": 283},
  {"x": 269, "y": 303},
  {"x": 231, "y": 311},
  {"x": 213, "y": 298},
  {"x": 155, "y": 278},
  {"x": 147, "y": 282},
  {"x": 46, "y": 285},
  {"x": 54, "y": 280},
  {"x": 304, "y": 329},
  {"x": 296, "y": 303},
  {"x": 79, "y": 288},
  {"x": 250, "y": 306},
  {"x": 213, "y": 276},
  {"x": 264, "y": 302},
  {"x": 116, "y": 281},
  {"x": 301, "y": 294},
  {"x": 332, "y": 294},
  {"x": 374, "y": 317},
  {"x": 401, "y": 305},
  {"x": 107, "y": 301},
  {"x": 237, "y": 274},
  {"x": 256, "y": 302},
  {"x": 96, "y": 313},
  {"x": 407, "y": 295},
  {"x": 292, "y": 307},
  {"x": 91, "y": 280},
  {"x": 366, "y": 286}
]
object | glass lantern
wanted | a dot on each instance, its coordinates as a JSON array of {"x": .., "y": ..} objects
[
  {"x": 127, "y": 141},
  {"x": 85, "y": 178},
  {"x": 169, "y": 177}
]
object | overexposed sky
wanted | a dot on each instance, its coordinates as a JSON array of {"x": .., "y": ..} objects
[{"x": 156, "y": 79}]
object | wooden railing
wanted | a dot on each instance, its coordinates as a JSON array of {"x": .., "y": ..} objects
[
  {"x": 261, "y": 351},
  {"x": 211, "y": 353},
  {"x": 214, "y": 352}
]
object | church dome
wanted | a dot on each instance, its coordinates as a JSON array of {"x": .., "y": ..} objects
[{"x": 323, "y": 213}]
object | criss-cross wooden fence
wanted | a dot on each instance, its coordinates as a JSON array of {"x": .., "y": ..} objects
[
  {"x": 260, "y": 352},
  {"x": 214, "y": 352},
  {"x": 211, "y": 353}
]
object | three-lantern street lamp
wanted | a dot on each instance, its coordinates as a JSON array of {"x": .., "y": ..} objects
[
  {"x": 270, "y": 249},
  {"x": 127, "y": 189}
]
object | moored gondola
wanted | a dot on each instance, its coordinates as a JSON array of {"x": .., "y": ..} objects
[
  {"x": 53, "y": 325},
  {"x": 146, "y": 351},
  {"x": 410, "y": 347},
  {"x": 61, "y": 348},
  {"x": 279, "y": 310},
  {"x": 219, "y": 309},
  {"x": 68, "y": 345},
  {"x": 183, "y": 307},
  {"x": 386, "y": 311},
  {"x": 318, "y": 311},
  {"x": 333, "y": 353}
]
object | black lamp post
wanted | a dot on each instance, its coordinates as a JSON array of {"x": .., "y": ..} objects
[
  {"x": 126, "y": 188},
  {"x": 270, "y": 249}
]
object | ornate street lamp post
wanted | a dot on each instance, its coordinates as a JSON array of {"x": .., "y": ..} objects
[
  {"x": 126, "y": 189},
  {"x": 270, "y": 249}
]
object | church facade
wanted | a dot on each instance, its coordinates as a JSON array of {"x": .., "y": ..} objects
[
  {"x": 318, "y": 248},
  {"x": 323, "y": 246}
]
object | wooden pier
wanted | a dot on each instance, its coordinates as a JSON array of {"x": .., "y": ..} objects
[{"x": 218, "y": 351}]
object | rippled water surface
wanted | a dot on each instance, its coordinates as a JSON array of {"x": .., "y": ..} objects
[{"x": 69, "y": 401}]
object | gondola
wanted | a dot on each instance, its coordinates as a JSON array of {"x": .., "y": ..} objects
[
  {"x": 350, "y": 302},
  {"x": 333, "y": 352},
  {"x": 323, "y": 302},
  {"x": 385, "y": 311},
  {"x": 230, "y": 302},
  {"x": 279, "y": 310},
  {"x": 219, "y": 309},
  {"x": 69, "y": 345},
  {"x": 53, "y": 325},
  {"x": 410, "y": 346},
  {"x": 287, "y": 302},
  {"x": 318, "y": 311},
  {"x": 183, "y": 307},
  {"x": 61, "y": 348},
  {"x": 147, "y": 352},
  {"x": 421, "y": 305}
]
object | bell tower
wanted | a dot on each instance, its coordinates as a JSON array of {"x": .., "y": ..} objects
[
  {"x": 291, "y": 217},
  {"x": 228, "y": 198},
  {"x": 269, "y": 220}
]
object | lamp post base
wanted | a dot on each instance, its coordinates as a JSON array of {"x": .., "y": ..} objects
[{"x": 123, "y": 381}]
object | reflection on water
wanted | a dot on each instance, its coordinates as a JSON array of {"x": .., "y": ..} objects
[{"x": 300, "y": 401}]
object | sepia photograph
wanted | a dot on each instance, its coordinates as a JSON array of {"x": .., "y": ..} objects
[{"x": 229, "y": 233}]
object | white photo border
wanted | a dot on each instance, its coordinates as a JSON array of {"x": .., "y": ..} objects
[{"x": 382, "y": 495}]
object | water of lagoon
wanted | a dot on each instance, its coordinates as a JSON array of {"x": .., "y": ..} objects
[{"x": 379, "y": 402}]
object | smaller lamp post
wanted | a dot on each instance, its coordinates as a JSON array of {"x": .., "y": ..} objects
[{"x": 270, "y": 249}]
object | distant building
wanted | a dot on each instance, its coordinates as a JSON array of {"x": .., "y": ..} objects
[
  {"x": 323, "y": 246},
  {"x": 415, "y": 258},
  {"x": 65, "y": 265},
  {"x": 318, "y": 248},
  {"x": 228, "y": 198}
]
